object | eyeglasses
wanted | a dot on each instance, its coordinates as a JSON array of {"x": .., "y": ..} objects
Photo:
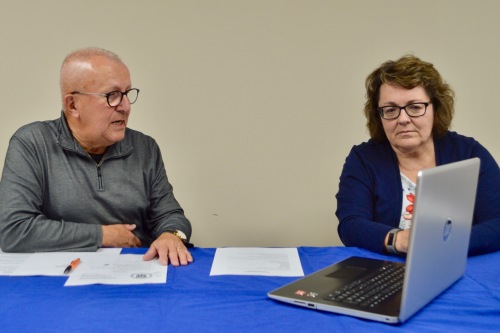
[
  {"x": 114, "y": 98},
  {"x": 412, "y": 110}
]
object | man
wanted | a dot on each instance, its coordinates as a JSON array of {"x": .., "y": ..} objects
[{"x": 85, "y": 180}]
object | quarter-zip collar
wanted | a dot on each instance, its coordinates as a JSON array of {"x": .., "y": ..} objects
[{"x": 66, "y": 140}]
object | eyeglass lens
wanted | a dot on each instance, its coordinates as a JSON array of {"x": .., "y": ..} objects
[
  {"x": 413, "y": 110},
  {"x": 115, "y": 97}
]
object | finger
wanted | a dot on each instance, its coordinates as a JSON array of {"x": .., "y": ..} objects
[
  {"x": 163, "y": 254},
  {"x": 137, "y": 242},
  {"x": 150, "y": 254},
  {"x": 184, "y": 256},
  {"x": 174, "y": 256},
  {"x": 130, "y": 227}
]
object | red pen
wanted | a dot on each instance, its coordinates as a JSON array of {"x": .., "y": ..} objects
[{"x": 72, "y": 266}]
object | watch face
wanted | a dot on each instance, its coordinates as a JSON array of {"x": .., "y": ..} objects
[
  {"x": 390, "y": 241},
  {"x": 180, "y": 234}
]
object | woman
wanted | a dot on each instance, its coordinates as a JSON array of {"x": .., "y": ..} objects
[{"x": 409, "y": 110}]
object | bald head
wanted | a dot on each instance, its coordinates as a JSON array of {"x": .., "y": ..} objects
[{"x": 78, "y": 68}]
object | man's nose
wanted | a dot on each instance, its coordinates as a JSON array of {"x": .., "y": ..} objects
[{"x": 124, "y": 105}]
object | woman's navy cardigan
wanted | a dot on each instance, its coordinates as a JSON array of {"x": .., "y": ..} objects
[{"x": 370, "y": 196}]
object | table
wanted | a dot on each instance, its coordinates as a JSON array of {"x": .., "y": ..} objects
[{"x": 193, "y": 301}]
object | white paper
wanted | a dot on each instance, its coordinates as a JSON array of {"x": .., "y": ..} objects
[
  {"x": 122, "y": 269},
  {"x": 9, "y": 262},
  {"x": 54, "y": 263},
  {"x": 257, "y": 261}
]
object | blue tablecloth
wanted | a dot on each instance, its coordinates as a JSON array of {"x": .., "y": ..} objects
[{"x": 193, "y": 301}]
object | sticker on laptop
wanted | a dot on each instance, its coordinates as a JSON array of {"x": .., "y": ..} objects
[{"x": 306, "y": 293}]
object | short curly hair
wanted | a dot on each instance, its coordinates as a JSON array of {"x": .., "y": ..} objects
[{"x": 409, "y": 72}]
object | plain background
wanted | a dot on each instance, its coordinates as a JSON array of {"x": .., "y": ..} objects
[{"x": 255, "y": 104}]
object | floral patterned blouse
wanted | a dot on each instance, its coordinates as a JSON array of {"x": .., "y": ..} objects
[{"x": 408, "y": 200}]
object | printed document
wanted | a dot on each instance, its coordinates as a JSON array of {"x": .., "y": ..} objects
[
  {"x": 106, "y": 266},
  {"x": 54, "y": 263},
  {"x": 122, "y": 269},
  {"x": 9, "y": 262},
  {"x": 257, "y": 261}
]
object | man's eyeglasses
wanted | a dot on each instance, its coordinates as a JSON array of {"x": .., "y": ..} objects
[
  {"x": 114, "y": 98},
  {"x": 412, "y": 110}
]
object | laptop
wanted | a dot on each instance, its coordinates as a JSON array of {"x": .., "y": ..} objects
[{"x": 436, "y": 258}]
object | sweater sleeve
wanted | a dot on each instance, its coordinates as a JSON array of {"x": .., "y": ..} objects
[
  {"x": 23, "y": 226},
  {"x": 166, "y": 214},
  {"x": 485, "y": 234},
  {"x": 367, "y": 199}
]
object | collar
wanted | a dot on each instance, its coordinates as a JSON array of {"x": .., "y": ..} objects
[{"x": 66, "y": 140}]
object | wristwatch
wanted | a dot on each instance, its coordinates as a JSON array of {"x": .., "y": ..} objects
[
  {"x": 181, "y": 235},
  {"x": 391, "y": 241}
]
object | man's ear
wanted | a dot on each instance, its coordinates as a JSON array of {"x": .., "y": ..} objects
[{"x": 70, "y": 106}]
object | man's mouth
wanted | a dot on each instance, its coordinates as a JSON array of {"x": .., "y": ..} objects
[{"x": 118, "y": 122}]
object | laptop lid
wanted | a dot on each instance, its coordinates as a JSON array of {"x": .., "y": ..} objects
[
  {"x": 440, "y": 232},
  {"x": 437, "y": 254}
]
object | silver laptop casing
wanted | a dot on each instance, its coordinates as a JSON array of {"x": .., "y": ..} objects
[
  {"x": 440, "y": 231},
  {"x": 437, "y": 255}
]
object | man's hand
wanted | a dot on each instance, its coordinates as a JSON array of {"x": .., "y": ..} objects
[
  {"x": 119, "y": 235},
  {"x": 169, "y": 247}
]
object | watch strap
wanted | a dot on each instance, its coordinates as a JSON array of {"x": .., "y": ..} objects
[{"x": 391, "y": 241}]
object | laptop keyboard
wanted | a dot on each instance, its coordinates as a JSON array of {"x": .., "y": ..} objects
[{"x": 374, "y": 289}]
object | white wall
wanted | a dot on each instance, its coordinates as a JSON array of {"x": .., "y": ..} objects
[{"x": 255, "y": 104}]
